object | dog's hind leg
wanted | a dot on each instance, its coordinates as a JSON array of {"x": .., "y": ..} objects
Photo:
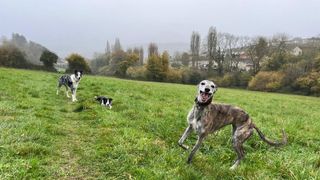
[
  {"x": 58, "y": 88},
  {"x": 196, "y": 147},
  {"x": 239, "y": 137},
  {"x": 67, "y": 92},
  {"x": 184, "y": 137}
]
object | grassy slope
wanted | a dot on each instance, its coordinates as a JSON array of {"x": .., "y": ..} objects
[{"x": 47, "y": 136}]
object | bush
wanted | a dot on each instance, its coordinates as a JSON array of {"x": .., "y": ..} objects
[
  {"x": 192, "y": 76},
  {"x": 137, "y": 72},
  {"x": 310, "y": 83},
  {"x": 266, "y": 81},
  {"x": 235, "y": 79},
  {"x": 174, "y": 76}
]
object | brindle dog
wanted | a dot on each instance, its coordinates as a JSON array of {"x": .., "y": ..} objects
[{"x": 206, "y": 118}]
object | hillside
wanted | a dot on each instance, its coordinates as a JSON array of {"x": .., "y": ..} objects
[{"x": 46, "y": 136}]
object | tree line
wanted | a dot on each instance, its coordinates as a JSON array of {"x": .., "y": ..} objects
[
  {"x": 256, "y": 63},
  {"x": 272, "y": 65}
]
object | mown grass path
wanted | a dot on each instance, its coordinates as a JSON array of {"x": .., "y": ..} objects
[{"x": 45, "y": 136}]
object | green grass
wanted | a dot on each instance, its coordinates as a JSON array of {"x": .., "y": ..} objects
[{"x": 45, "y": 136}]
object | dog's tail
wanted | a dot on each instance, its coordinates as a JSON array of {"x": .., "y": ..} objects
[{"x": 270, "y": 142}]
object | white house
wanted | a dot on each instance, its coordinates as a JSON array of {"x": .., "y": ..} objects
[{"x": 296, "y": 51}]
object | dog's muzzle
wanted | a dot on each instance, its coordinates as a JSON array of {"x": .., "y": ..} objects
[{"x": 204, "y": 96}]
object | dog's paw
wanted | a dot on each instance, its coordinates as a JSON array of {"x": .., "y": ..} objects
[
  {"x": 232, "y": 168},
  {"x": 185, "y": 147},
  {"x": 189, "y": 160}
]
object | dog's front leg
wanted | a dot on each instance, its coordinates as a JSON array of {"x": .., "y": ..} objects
[
  {"x": 196, "y": 147},
  {"x": 73, "y": 95},
  {"x": 184, "y": 137}
]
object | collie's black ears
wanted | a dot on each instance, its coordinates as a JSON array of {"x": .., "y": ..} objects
[
  {"x": 81, "y": 72},
  {"x": 75, "y": 71}
]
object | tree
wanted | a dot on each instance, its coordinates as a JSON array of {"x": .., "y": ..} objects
[
  {"x": 77, "y": 62},
  {"x": 108, "y": 49},
  {"x": 257, "y": 51},
  {"x": 195, "y": 47},
  {"x": 141, "y": 56},
  {"x": 212, "y": 50},
  {"x": 279, "y": 53},
  {"x": 154, "y": 68},
  {"x": 11, "y": 56},
  {"x": 153, "y": 49},
  {"x": 129, "y": 60},
  {"x": 99, "y": 61},
  {"x": 48, "y": 58},
  {"x": 185, "y": 59},
  {"x": 165, "y": 61},
  {"x": 117, "y": 45}
]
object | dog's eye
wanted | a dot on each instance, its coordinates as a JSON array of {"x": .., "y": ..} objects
[
  {"x": 213, "y": 86},
  {"x": 202, "y": 84}
]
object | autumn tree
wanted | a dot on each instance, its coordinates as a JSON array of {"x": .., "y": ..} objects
[{"x": 158, "y": 67}]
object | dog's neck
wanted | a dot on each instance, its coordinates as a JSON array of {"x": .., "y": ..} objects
[
  {"x": 202, "y": 105},
  {"x": 74, "y": 78}
]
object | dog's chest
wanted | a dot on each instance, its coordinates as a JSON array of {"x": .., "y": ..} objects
[{"x": 196, "y": 121}]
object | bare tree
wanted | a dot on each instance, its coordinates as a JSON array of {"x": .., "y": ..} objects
[
  {"x": 195, "y": 47},
  {"x": 211, "y": 46},
  {"x": 229, "y": 44},
  {"x": 257, "y": 50}
]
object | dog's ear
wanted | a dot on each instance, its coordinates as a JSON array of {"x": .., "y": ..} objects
[
  {"x": 75, "y": 71},
  {"x": 215, "y": 89},
  {"x": 110, "y": 99},
  {"x": 81, "y": 72}
]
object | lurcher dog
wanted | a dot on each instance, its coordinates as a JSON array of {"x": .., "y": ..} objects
[{"x": 206, "y": 118}]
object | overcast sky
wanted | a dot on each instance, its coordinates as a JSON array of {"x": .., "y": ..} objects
[{"x": 84, "y": 26}]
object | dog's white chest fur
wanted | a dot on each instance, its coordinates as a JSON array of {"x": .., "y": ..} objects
[{"x": 194, "y": 119}]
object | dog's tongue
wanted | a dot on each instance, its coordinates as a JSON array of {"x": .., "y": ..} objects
[{"x": 204, "y": 96}]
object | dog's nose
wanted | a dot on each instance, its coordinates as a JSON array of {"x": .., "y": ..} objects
[{"x": 206, "y": 89}]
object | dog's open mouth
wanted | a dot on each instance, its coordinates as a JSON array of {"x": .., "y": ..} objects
[{"x": 204, "y": 96}]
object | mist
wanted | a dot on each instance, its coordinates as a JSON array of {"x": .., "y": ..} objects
[{"x": 85, "y": 26}]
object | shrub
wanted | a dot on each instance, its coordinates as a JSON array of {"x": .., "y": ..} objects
[
  {"x": 266, "y": 81},
  {"x": 174, "y": 75},
  {"x": 310, "y": 83},
  {"x": 137, "y": 72},
  {"x": 235, "y": 79},
  {"x": 192, "y": 76}
]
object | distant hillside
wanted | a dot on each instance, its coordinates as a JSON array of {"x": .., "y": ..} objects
[{"x": 31, "y": 49}]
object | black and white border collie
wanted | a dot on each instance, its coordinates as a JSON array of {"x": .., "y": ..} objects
[
  {"x": 104, "y": 101},
  {"x": 70, "y": 82}
]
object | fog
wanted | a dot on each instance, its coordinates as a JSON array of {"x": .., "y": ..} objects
[{"x": 84, "y": 26}]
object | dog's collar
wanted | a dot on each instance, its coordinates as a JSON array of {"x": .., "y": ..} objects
[{"x": 203, "y": 104}]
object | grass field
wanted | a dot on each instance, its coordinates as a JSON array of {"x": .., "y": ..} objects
[{"x": 45, "y": 136}]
